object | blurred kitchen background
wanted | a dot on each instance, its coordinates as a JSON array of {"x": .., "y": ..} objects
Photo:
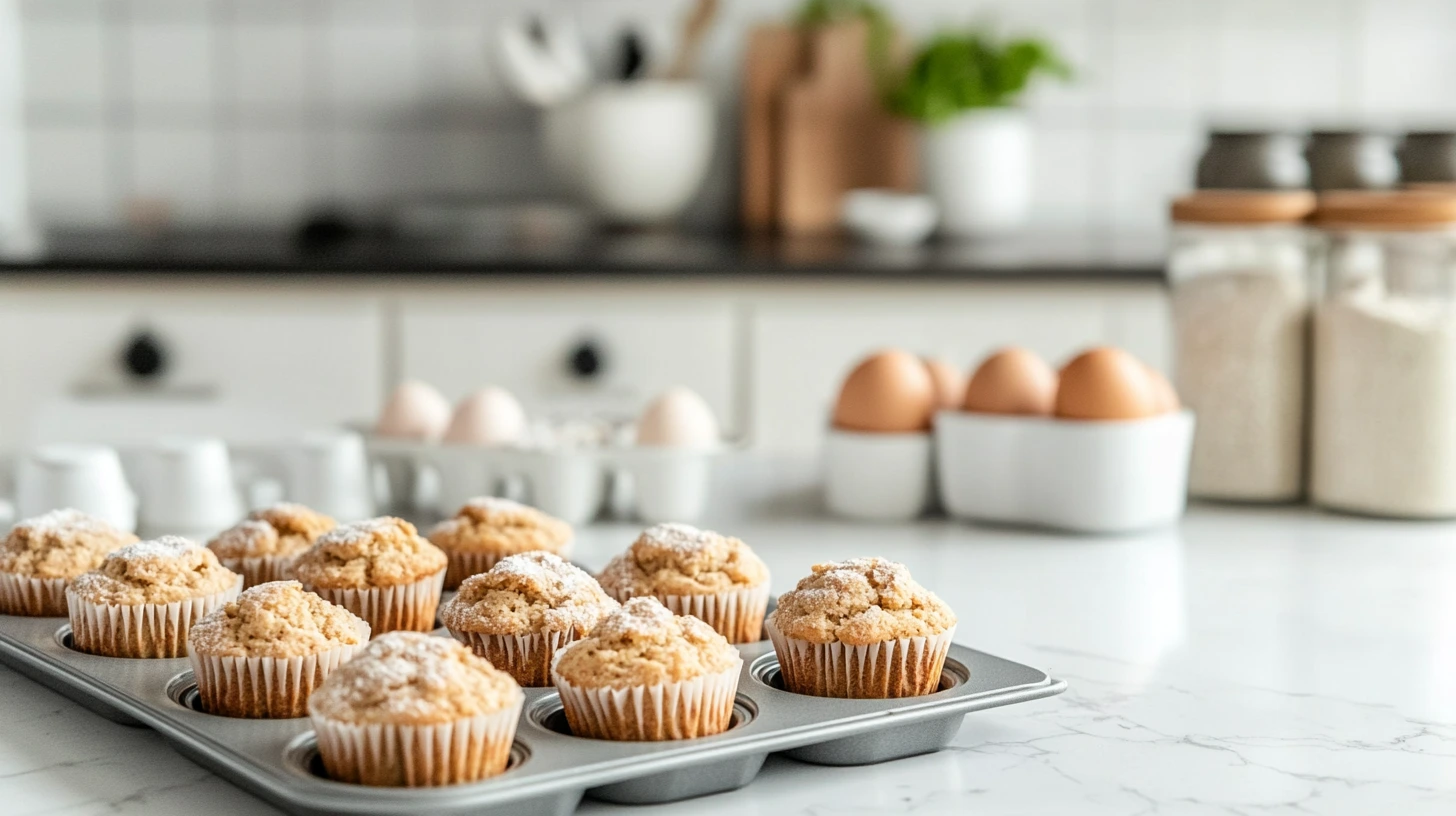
[{"x": 254, "y": 218}]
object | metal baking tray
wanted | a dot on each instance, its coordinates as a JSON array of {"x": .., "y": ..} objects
[{"x": 550, "y": 770}]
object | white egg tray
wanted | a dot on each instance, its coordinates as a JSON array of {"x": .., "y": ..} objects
[
  {"x": 1080, "y": 476},
  {"x": 577, "y": 485}
]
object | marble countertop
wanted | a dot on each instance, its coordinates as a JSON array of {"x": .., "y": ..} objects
[{"x": 1270, "y": 661}]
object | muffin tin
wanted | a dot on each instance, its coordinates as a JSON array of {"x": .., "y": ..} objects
[
  {"x": 575, "y": 485},
  {"x": 550, "y": 770}
]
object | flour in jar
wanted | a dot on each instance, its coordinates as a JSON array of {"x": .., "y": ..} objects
[
  {"x": 1385, "y": 404},
  {"x": 1242, "y": 340}
]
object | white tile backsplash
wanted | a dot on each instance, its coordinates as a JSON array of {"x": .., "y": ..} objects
[{"x": 256, "y": 108}]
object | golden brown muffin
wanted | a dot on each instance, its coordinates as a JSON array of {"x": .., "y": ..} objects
[
  {"x": 414, "y": 710},
  {"x": 265, "y": 653},
  {"x": 40, "y": 556},
  {"x": 381, "y": 570},
  {"x": 488, "y": 529},
  {"x": 262, "y": 546},
  {"x": 517, "y": 614}
]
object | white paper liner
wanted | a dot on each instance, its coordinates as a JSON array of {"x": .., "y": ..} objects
[
  {"x": 906, "y": 667},
  {"x": 33, "y": 597},
  {"x": 699, "y": 707},
  {"x": 736, "y": 615},
  {"x": 267, "y": 687},
  {"x": 416, "y": 756},
  {"x": 527, "y": 658},
  {"x": 140, "y": 630},
  {"x": 462, "y": 565},
  {"x": 407, "y": 607},
  {"x": 261, "y": 569}
]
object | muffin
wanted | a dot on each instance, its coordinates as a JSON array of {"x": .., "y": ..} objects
[
  {"x": 695, "y": 572},
  {"x": 861, "y": 628},
  {"x": 517, "y": 614},
  {"x": 41, "y": 556},
  {"x": 487, "y": 529},
  {"x": 647, "y": 674},
  {"x": 411, "y": 710},
  {"x": 144, "y": 598},
  {"x": 380, "y": 569},
  {"x": 262, "y": 547},
  {"x": 263, "y": 654}
]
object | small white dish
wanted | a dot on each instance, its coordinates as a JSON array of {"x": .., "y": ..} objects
[
  {"x": 1081, "y": 476},
  {"x": 889, "y": 218},
  {"x": 877, "y": 476}
]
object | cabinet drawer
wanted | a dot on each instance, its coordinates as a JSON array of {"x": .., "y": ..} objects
[
  {"x": 243, "y": 366},
  {"x": 525, "y": 343},
  {"x": 802, "y": 347}
]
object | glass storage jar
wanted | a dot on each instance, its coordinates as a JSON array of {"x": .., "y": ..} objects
[
  {"x": 1241, "y": 280},
  {"x": 1384, "y": 439}
]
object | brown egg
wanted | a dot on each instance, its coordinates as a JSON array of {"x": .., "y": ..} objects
[
  {"x": 1012, "y": 381},
  {"x": 1106, "y": 383},
  {"x": 888, "y": 392},
  {"x": 1165, "y": 396},
  {"x": 949, "y": 382}
]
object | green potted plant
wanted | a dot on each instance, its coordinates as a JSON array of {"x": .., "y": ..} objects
[{"x": 963, "y": 89}]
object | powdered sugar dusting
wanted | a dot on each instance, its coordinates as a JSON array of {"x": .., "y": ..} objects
[
  {"x": 410, "y": 677},
  {"x": 363, "y": 531},
  {"x": 542, "y": 567},
  {"x": 67, "y": 519},
  {"x": 166, "y": 547},
  {"x": 638, "y": 617},
  {"x": 528, "y": 592},
  {"x": 683, "y": 538},
  {"x": 496, "y": 504}
]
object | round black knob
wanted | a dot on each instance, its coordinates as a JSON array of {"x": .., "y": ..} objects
[
  {"x": 586, "y": 361},
  {"x": 144, "y": 357}
]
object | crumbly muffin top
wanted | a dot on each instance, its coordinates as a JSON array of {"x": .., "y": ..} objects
[
  {"x": 528, "y": 593},
  {"x": 858, "y": 602},
  {"x": 283, "y": 529},
  {"x": 380, "y": 552},
  {"x": 493, "y": 525},
  {"x": 408, "y": 678},
  {"x": 678, "y": 559},
  {"x": 276, "y": 619},
  {"x": 643, "y": 644},
  {"x": 59, "y": 544},
  {"x": 163, "y": 571}
]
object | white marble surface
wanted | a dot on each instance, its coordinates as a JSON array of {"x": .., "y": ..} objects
[{"x": 1274, "y": 661}]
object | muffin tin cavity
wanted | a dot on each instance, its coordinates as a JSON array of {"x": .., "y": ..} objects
[
  {"x": 302, "y": 756},
  {"x": 550, "y": 770},
  {"x": 766, "y": 671},
  {"x": 548, "y": 713}
]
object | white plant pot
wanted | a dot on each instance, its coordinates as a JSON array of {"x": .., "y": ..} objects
[
  {"x": 977, "y": 167},
  {"x": 877, "y": 476},
  {"x": 637, "y": 152}
]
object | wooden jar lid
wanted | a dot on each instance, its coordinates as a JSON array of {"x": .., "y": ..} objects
[
  {"x": 1388, "y": 210},
  {"x": 1244, "y": 207}
]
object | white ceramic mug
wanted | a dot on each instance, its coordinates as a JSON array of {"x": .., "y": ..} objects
[
  {"x": 329, "y": 472},
  {"x": 88, "y": 478},
  {"x": 188, "y": 488}
]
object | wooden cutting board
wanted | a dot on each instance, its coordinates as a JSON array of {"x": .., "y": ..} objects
[{"x": 814, "y": 128}]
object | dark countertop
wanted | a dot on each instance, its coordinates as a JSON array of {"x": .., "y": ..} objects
[{"x": 1080, "y": 256}]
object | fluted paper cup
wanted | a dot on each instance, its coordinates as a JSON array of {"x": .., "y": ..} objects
[
  {"x": 462, "y": 565},
  {"x": 261, "y": 569},
  {"x": 527, "y": 658},
  {"x": 140, "y": 630},
  {"x": 418, "y": 756},
  {"x": 34, "y": 597},
  {"x": 266, "y": 687},
  {"x": 403, "y": 608},
  {"x": 699, "y": 707},
  {"x": 736, "y": 615},
  {"x": 906, "y": 667}
]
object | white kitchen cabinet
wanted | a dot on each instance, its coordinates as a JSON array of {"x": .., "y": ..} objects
[
  {"x": 802, "y": 344},
  {"x": 249, "y": 363},
  {"x": 645, "y": 340}
]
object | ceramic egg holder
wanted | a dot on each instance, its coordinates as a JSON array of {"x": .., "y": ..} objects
[
  {"x": 871, "y": 476},
  {"x": 1102, "y": 476},
  {"x": 667, "y": 484}
]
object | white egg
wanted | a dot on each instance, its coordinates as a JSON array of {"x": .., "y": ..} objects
[
  {"x": 678, "y": 418},
  {"x": 490, "y": 416},
  {"x": 414, "y": 411}
]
